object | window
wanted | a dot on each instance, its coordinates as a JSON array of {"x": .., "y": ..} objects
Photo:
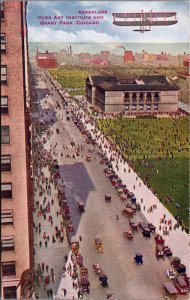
[
  {"x": 141, "y": 107},
  {"x": 4, "y": 105},
  {"x": 5, "y": 135},
  {"x": 2, "y": 10},
  {"x": 3, "y": 74},
  {"x": 8, "y": 268},
  {"x": 3, "y": 42},
  {"x": 156, "y": 106},
  {"x": 10, "y": 292},
  {"x": 7, "y": 243},
  {"x": 6, "y": 190},
  {"x": 126, "y": 107},
  {"x": 5, "y": 163},
  {"x": 148, "y": 107},
  {"x": 7, "y": 217},
  {"x": 134, "y": 107}
]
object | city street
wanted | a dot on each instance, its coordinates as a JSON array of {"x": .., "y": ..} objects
[{"x": 86, "y": 181}]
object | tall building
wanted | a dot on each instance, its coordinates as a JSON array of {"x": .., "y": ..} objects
[{"x": 16, "y": 184}]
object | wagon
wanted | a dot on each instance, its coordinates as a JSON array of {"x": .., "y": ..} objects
[
  {"x": 128, "y": 212},
  {"x": 181, "y": 285},
  {"x": 128, "y": 235},
  {"x": 81, "y": 206},
  {"x": 88, "y": 158}
]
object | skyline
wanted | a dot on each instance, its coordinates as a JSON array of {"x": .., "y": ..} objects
[
  {"x": 173, "y": 49},
  {"x": 105, "y": 31}
]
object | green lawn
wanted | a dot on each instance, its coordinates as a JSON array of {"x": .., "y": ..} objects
[
  {"x": 159, "y": 150},
  {"x": 168, "y": 177},
  {"x": 71, "y": 77}
]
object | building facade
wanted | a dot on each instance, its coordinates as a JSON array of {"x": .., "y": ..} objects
[
  {"x": 16, "y": 185},
  {"x": 46, "y": 60},
  {"x": 144, "y": 94}
]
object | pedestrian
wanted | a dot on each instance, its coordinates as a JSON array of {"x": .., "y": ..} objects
[
  {"x": 40, "y": 243},
  {"x": 47, "y": 267},
  {"x": 48, "y": 293},
  {"x": 65, "y": 292},
  {"x": 46, "y": 243},
  {"x": 66, "y": 257},
  {"x": 52, "y": 201},
  {"x": 43, "y": 266},
  {"x": 80, "y": 238}
]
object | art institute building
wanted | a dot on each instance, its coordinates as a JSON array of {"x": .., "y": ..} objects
[{"x": 144, "y": 94}]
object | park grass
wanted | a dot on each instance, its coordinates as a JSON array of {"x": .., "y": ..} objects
[
  {"x": 70, "y": 77},
  {"x": 168, "y": 177},
  {"x": 158, "y": 150}
]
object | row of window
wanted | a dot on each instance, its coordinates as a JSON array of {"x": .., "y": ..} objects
[
  {"x": 5, "y": 163},
  {"x": 5, "y": 134},
  {"x": 3, "y": 74},
  {"x": 3, "y": 42},
  {"x": 6, "y": 190},
  {"x": 7, "y": 243},
  {"x": 2, "y": 10},
  {"x": 4, "y": 105},
  {"x": 141, "y": 107},
  {"x": 8, "y": 268}
]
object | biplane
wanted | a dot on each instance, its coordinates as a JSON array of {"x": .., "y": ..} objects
[{"x": 145, "y": 20}]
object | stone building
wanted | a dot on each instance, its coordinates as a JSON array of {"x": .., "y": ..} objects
[
  {"x": 16, "y": 184},
  {"x": 130, "y": 94}
]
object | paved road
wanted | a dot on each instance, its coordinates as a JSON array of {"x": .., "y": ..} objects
[{"x": 86, "y": 181}]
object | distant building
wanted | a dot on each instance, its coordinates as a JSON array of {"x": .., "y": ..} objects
[
  {"x": 130, "y": 94},
  {"x": 84, "y": 56},
  {"x": 46, "y": 60},
  {"x": 105, "y": 53},
  {"x": 98, "y": 61},
  {"x": 128, "y": 56},
  {"x": 186, "y": 62}
]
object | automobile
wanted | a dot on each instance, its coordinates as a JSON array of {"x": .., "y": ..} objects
[
  {"x": 128, "y": 212},
  {"x": 97, "y": 269},
  {"x": 98, "y": 244},
  {"x": 128, "y": 235},
  {"x": 146, "y": 232},
  {"x": 74, "y": 243},
  {"x": 159, "y": 252},
  {"x": 181, "y": 269},
  {"x": 138, "y": 258},
  {"x": 133, "y": 225},
  {"x": 171, "y": 273},
  {"x": 70, "y": 227},
  {"x": 169, "y": 291},
  {"x": 81, "y": 206},
  {"x": 103, "y": 280},
  {"x": 167, "y": 251},
  {"x": 142, "y": 225},
  {"x": 108, "y": 198},
  {"x": 79, "y": 260},
  {"x": 84, "y": 286},
  {"x": 151, "y": 227},
  {"x": 159, "y": 239},
  {"x": 88, "y": 158},
  {"x": 181, "y": 285}
]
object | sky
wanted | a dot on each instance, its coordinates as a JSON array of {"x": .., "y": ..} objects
[{"x": 104, "y": 32}]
